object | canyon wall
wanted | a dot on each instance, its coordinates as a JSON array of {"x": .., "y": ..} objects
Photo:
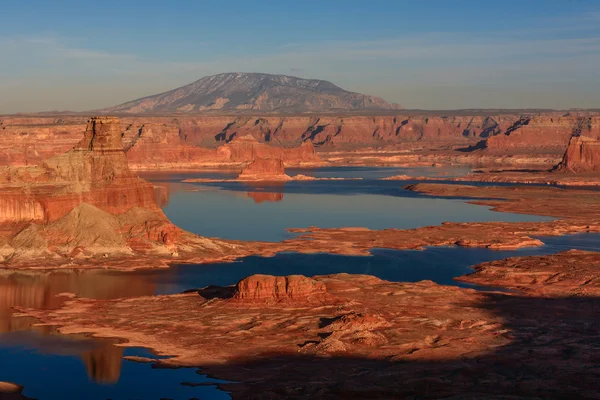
[
  {"x": 180, "y": 142},
  {"x": 582, "y": 155}
]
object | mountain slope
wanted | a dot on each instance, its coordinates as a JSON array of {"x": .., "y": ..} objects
[{"x": 252, "y": 91}]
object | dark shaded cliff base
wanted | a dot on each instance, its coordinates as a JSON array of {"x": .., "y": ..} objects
[{"x": 355, "y": 336}]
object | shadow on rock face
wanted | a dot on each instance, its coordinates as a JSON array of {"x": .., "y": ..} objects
[{"x": 553, "y": 353}]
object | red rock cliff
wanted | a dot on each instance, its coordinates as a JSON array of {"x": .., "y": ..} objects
[{"x": 582, "y": 155}]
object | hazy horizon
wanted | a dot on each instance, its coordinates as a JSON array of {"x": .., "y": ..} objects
[{"x": 435, "y": 55}]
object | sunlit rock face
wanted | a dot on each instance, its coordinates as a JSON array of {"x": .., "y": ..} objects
[
  {"x": 582, "y": 155},
  {"x": 269, "y": 169},
  {"x": 83, "y": 203},
  {"x": 95, "y": 171},
  {"x": 247, "y": 148},
  {"x": 278, "y": 288}
]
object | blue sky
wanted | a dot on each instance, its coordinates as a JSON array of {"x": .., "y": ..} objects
[{"x": 437, "y": 54}]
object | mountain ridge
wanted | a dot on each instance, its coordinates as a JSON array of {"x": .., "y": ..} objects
[{"x": 240, "y": 91}]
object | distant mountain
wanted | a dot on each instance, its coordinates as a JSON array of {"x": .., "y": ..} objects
[{"x": 236, "y": 92}]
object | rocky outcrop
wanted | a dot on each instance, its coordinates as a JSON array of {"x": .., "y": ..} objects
[
  {"x": 573, "y": 272},
  {"x": 265, "y": 288},
  {"x": 86, "y": 205},
  {"x": 264, "y": 169},
  {"x": 241, "y": 92},
  {"x": 395, "y": 340},
  {"x": 582, "y": 155},
  {"x": 95, "y": 171}
]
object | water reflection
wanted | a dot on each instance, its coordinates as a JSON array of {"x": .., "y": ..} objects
[
  {"x": 41, "y": 290},
  {"x": 103, "y": 365},
  {"x": 265, "y": 197}
]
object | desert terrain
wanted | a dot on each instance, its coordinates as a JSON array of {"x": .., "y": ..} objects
[{"x": 71, "y": 200}]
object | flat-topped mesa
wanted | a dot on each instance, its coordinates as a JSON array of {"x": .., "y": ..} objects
[
  {"x": 101, "y": 134},
  {"x": 264, "y": 169},
  {"x": 582, "y": 155},
  {"x": 243, "y": 148},
  {"x": 266, "y": 288}
]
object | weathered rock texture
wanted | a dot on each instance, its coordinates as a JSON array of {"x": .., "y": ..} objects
[
  {"x": 84, "y": 204},
  {"x": 278, "y": 288},
  {"x": 264, "y": 169},
  {"x": 582, "y": 155},
  {"x": 572, "y": 272},
  {"x": 184, "y": 142},
  {"x": 252, "y": 91},
  {"x": 366, "y": 338},
  {"x": 95, "y": 171}
]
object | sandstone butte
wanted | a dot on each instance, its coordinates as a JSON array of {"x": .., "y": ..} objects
[
  {"x": 582, "y": 155},
  {"x": 189, "y": 142},
  {"x": 267, "y": 169},
  {"x": 85, "y": 207}
]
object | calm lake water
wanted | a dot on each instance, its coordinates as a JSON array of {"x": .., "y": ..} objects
[
  {"x": 254, "y": 211},
  {"x": 53, "y": 366}
]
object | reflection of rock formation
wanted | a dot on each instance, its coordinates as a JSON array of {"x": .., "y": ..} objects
[
  {"x": 582, "y": 155},
  {"x": 161, "y": 195},
  {"x": 263, "y": 197},
  {"x": 104, "y": 364},
  {"x": 40, "y": 290}
]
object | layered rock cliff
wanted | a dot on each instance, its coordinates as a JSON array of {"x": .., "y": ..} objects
[
  {"x": 154, "y": 142},
  {"x": 582, "y": 155},
  {"x": 264, "y": 169},
  {"x": 86, "y": 205}
]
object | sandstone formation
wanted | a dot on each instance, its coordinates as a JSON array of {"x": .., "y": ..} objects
[
  {"x": 573, "y": 272},
  {"x": 582, "y": 155},
  {"x": 269, "y": 288},
  {"x": 264, "y": 169},
  {"x": 188, "y": 142},
  {"x": 367, "y": 338},
  {"x": 247, "y": 148},
  {"x": 252, "y": 91},
  {"x": 87, "y": 205},
  {"x": 95, "y": 171}
]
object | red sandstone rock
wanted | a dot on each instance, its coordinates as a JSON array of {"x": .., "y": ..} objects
[
  {"x": 87, "y": 205},
  {"x": 154, "y": 142},
  {"x": 582, "y": 155},
  {"x": 264, "y": 169},
  {"x": 278, "y": 288}
]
